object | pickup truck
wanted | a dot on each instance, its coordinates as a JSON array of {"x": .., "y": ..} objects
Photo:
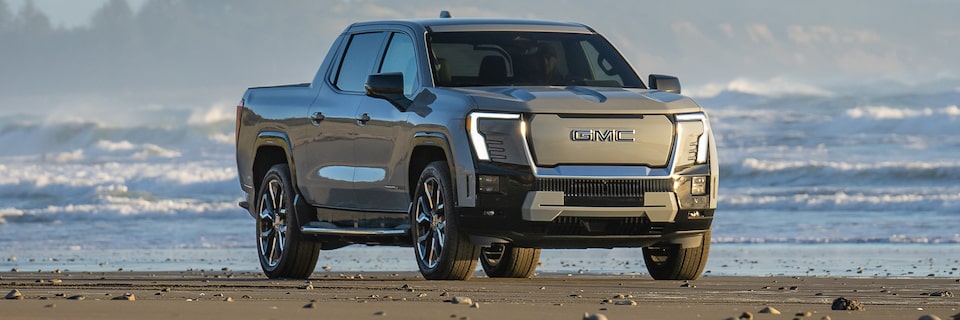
[{"x": 477, "y": 140}]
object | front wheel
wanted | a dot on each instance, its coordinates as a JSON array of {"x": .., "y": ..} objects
[
  {"x": 442, "y": 252},
  {"x": 673, "y": 262},
  {"x": 507, "y": 261},
  {"x": 283, "y": 251}
]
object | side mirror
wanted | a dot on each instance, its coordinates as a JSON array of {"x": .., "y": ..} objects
[
  {"x": 388, "y": 86},
  {"x": 664, "y": 83}
]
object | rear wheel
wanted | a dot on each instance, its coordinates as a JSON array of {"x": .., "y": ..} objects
[
  {"x": 673, "y": 262},
  {"x": 283, "y": 251},
  {"x": 442, "y": 252},
  {"x": 507, "y": 261}
]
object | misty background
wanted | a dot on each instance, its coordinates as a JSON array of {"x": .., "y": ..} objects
[{"x": 155, "y": 55}]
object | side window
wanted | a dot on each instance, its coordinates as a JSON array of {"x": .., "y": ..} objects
[
  {"x": 401, "y": 57},
  {"x": 358, "y": 61}
]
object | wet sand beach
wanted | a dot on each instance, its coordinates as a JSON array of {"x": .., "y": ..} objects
[{"x": 405, "y": 295}]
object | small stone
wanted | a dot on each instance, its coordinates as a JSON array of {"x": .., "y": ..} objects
[
  {"x": 422, "y": 295},
  {"x": 228, "y": 299},
  {"x": 326, "y": 268},
  {"x": 619, "y": 296},
  {"x": 842, "y": 303},
  {"x": 246, "y": 296},
  {"x": 595, "y": 316},
  {"x": 770, "y": 310},
  {"x": 126, "y": 297},
  {"x": 825, "y": 318},
  {"x": 307, "y": 287},
  {"x": 77, "y": 297},
  {"x": 805, "y": 314},
  {"x": 746, "y": 316},
  {"x": 166, "y": 290},
  {"x": 476, "y": 305},
  {"x": 225, "y": 269},
  {"x": 52, "y": 305},
  {"x": 461, "y": 300},
  {"x": 57, "y": 281},
  {"x": 312, "y": 305},
  {"x": 929, "y": 317},
  {"x": 945, "y": 294},
  {"x": 626, "y": 303},
  {"x": 380, "y": 313},
  {"x": 14, "y": 295}
]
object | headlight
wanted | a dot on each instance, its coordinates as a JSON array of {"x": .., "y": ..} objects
[
  {"x": 692, "y": 138},
  {"x": 497, "y": 137}
]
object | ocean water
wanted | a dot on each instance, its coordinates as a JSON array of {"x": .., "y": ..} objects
[{"x": 805, "y": 169}]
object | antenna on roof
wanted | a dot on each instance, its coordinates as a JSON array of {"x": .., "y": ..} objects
[{"x": 445, "y": 14}]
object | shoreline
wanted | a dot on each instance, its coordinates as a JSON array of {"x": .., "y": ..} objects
[
  {"x": 823, "y": 260},
  {"x": 406, "y": 295}
]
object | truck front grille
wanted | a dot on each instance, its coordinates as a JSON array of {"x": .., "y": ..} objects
[{"x": 604, "y": 192}]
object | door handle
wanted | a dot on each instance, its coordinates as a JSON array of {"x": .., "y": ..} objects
[
  {"x": 316, "y": 117},
  {"x": 363, "y": 119}
]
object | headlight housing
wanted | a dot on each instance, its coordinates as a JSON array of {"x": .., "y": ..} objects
[
  {"x": 692, "y": 139},
  {"x": 498, "y": 137}
]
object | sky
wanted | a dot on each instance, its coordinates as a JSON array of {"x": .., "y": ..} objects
[
  {"x": 69, "y": 13},
  {"x": 174, "y": 53}
]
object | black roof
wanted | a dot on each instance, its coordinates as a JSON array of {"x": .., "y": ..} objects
[{"x": 483, "y": 24}]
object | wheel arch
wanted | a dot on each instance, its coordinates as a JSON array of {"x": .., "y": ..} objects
[
  {"x": 427, "y": 148},
  {"x": 272, "y": 148}
]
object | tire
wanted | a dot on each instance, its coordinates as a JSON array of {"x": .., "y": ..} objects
[
  {"x": 672, "y": 262},
  {"x": 283, "y": 251},
  {"x": 442, "y": 252},
  {"x": 507, "y": 261}
]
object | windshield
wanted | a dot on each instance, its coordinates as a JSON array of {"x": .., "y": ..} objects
[{"x": 463, "y": 59}]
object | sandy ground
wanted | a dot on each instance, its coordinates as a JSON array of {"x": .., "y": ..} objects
[{"x": 386, "y": 295}]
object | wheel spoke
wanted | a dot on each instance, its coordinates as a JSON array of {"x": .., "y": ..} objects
[{"x": 428, "y": 192}]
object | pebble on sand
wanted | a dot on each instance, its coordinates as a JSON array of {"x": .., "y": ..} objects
[
  {"x": 461, "y": 300},
  {"x": 595, "y": 316},
  {"x": 946, "y": 294},
  {"x": 126, "y": 297},
  {"x": 77, "y": 297},
  {"x": 746, "y": 316},
  {"x": 770, "y": 310},
  {"x": 14, "y": 295},
  {"x": 842, "y": 303},
  {"x": 929, "y": 317},
  {"x": 626, "y": 303}
]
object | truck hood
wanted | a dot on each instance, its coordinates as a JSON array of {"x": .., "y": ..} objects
[{"x": 578, "y": 100}]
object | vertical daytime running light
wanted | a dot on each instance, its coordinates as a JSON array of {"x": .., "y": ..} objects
[
  {"x": 476, "y": 138},
  {"x": 703, "y": 139}
]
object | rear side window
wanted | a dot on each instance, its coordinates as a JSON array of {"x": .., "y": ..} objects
[{"x": 358, "y": 61}]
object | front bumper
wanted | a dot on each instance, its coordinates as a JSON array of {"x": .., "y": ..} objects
[{"x": 604, "y": 212}]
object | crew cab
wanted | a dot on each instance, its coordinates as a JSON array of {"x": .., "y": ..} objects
[{"x": 477, "y": 140}]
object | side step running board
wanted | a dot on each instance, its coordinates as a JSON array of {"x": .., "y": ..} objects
[{"x": 328, "y": 229}]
